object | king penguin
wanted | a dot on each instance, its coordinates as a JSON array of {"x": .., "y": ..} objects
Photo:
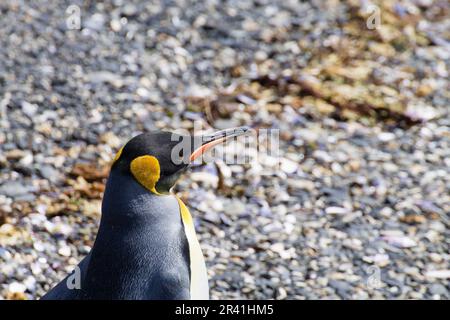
[{"x": 146, "y": 246}]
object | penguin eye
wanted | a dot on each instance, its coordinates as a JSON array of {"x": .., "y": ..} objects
[{"x": 181, "y": 153}]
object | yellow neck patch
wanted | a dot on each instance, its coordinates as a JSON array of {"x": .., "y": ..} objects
[
  {"x": 117, "y": 155},
  {"x": 199, "y": 288},
  {"x": 146, "y": 170}
]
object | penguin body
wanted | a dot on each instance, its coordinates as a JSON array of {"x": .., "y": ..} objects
[
  {"x": 154, "y": 247},
  {"x": 146, "y": 246}
]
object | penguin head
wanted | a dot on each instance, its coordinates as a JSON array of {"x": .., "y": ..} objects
[{"x": 157, "y": 159}]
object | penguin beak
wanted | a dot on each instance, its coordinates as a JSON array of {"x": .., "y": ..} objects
[{"x": 211, "y": 140}]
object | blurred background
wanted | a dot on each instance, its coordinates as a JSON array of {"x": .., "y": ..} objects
[{"x": 355, "y": 207}]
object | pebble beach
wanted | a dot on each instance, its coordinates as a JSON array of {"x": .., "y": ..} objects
[{"x": 355, "y": 206}]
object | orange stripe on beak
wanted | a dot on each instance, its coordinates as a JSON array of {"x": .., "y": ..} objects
[
  {"x": 201, "y": 150},
  {"x": 216, "y": 138}
]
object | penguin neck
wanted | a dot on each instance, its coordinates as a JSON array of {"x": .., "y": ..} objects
[
  {"x": 126, "y": 202},
  {"x": 136, "y": 227},
  {"x": 130, "y": 210}
]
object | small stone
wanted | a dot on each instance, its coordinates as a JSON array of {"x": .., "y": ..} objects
[
  {"x": 65, "y": 251},
  {"x": 111, "y": 139},
  {"x": 115, "y": 25},
  {"x": 14, "y": 189},
  {"x": 400, "y": 241},
  {"x": 380, "y": 260},
  {"x": 435, "y": 257},
  {"x": 95, "y": 22},
  {"x": 30, "y": 283},
  {"x": 29, "y": 109},
  {"x": 38, "y": 246},
  {"x": 99, "y": 77},
  {"x": 336, "y": 210},
  {"x": 234, "y": 207},
  {"x": 302, "y": 184},
  {"x": 212, "y": 216},
  {"x": 15, "y": 154},
  {"x": 386, "y": 212},
  {"x": 245, "y": 99},
  {"x": 5, "y": 254},
  {"x": 206, "y": 178},
  {"x": 386, "y": 136},
  {"x": 26, "y": 160},
  {"x": 438, "y": 274},
  {"x": 289, "y": 166},
  {"x": 197, "y": 91},
  {"x": 92, "y": 208},
  {"x": 49, "y": 173},
  {"x": 129, "y": 10},
  {"x": 16, "y": 287},
  {"x": 143, "y": 93},
  {"x": 340, "y": 286},
  {"x": 438, "y": 289},
  {"x": 282, "y": 294},
  {"x": 323, "y": 156},
  {"x": 430, "y": 207},
  {"x": 58, "y": 228},
  {"x": 424, "y": 90}
]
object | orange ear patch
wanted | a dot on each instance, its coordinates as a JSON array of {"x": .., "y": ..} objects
[{"x": 146, "y": 170}]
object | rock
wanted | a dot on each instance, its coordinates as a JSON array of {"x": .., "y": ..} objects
[
  {"x": 282, "y": 294},
  {"x": 226, "y": 123},
  {"x": 15, "y": 154},
  {"x": 400, "y": 241},
  {"x": 430, "y": 207},
  {"x": 234, "y": 207},
  {"x": 111, "y": 139},
  {"x": 322, "y": 155},
  {"x": 92, "y": 208},
  {"x": 50, "y": 173},
  {"x": 38, "y": 246},
  {"x": 95, "y": 22},
  {"x": 302, "y": 184},
  {"x": 341, "y": 287},
  {"x": 336, "y": 210},
  {"x": 29, "y": 109},
  {"x": 196, "y": 91},
  {"x": 380, "y": 260},
  {"x": 104, "y": 77},
  {"x": 15, "y": 189},
  {"x": 65, "y": 251},
  {"x": 143, "y": 93},
  {"x": 115, "y": 25},
  {"x": 288, "y": 166},
  {"x": 438, "y": 274},
  {"x": 245, "y": 99},
  {"x": 16, "y": 287},
  {"x": 421, "y": 112},
  {"x": 129, "y": 10},
  {"x": 5, "y": 254},
  {"x": 206, "y": 178},
  {"x": 58, "y": 228},
  {"x": 386, "y": 136},
  {"x": 438, "y": 289},
  {"x": 30, "y": 283},
  {"x": 27, "y": 160},
  {"x": 437, "y": 258},
  {"x": 212, "y": 216}
]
